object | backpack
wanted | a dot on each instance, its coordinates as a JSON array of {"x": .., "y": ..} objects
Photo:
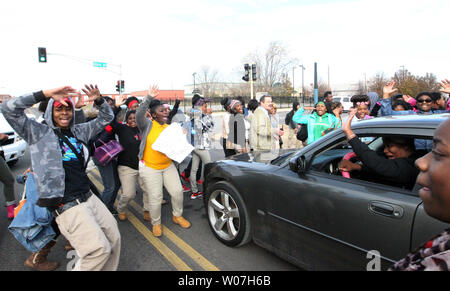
[{"x": 302, "y": 133}]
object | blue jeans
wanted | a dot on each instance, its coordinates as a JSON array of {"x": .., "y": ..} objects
[{"x": 111, "y": 182}]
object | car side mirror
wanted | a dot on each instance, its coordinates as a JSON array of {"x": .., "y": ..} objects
[{"x": 298, "y": 165}]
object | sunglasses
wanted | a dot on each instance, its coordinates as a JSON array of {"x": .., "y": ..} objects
[{"x": 424, "y": 100}]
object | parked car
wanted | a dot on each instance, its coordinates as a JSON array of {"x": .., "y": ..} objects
[
  {"x": 345, "y": 100},
  {"x": 300, "y": 206},
  {"x": 14, "y": 147}
]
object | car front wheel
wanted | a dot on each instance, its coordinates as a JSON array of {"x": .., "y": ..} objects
[{"x": 227, "y": 215}]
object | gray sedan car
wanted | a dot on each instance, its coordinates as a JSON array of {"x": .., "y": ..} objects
[{"x": 302, "y": 208}]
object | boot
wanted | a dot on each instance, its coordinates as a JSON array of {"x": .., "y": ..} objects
[
  {"x": 38, "y": 261},
  {"x": 147, "y": 216},
  {"x": 68, "y": 247}
]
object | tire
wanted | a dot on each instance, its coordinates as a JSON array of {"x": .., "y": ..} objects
[{"x": 227, "y": 214}]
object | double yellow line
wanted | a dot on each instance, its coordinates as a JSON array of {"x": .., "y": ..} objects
[{"x": 160, "y": 246}]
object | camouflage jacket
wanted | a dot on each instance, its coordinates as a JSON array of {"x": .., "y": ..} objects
[{"x": 45, "y": 151}]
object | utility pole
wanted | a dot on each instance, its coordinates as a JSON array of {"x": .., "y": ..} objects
[
  {"x": 365, "y": 83},
  {"x": 329, "y": 88},
  {"x": 293, "y": 84},
  {"x": 303, "y": 81},
  {"x": 316, "y": 85},
  {"x": 193, "y": 75}
]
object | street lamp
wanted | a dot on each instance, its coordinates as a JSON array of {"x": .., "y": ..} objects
[
  {"x": 303, "y": 81},
  {"x": 193, "y": 75}
]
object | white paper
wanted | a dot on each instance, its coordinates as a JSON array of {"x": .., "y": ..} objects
[{"x": 173, "y": 143}]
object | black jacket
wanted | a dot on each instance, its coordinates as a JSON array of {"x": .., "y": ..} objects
[{"x": 397, "y": 172}]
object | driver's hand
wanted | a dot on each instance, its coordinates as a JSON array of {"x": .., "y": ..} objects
[{"x": 347, "y": 166}]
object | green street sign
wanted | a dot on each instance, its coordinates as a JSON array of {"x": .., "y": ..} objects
[{"x": 99, "y": 65}]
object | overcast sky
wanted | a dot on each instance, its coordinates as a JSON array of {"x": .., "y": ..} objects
[{"x": 165, "y": 42}]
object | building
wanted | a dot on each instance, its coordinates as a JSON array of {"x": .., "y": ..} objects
[{"x": 4, "y": 98}]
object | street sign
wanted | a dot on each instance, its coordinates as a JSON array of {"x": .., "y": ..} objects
[{"x": 99, "y": 65}]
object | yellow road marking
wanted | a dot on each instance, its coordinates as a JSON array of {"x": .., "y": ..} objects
[
  {"x": 157, "y": 243},
  {"x": 186, "y": 248}
]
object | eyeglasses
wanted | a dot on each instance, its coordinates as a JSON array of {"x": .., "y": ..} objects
[{"x": 424, "y": 100}]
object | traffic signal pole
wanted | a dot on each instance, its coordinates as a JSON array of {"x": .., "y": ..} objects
[{"x": 251, "y": 81}]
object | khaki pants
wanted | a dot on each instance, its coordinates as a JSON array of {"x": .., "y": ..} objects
[
  {"x": 128, "y": 178},
  {"x": 198, "y": 155},
  {"x": 154, "y": 181},
  {"x": 92, "y": 231}
]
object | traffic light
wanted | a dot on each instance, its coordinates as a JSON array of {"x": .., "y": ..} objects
[
  {"x": 122, "y": 85},
  {"x": 118, "y": 86},
  {"x": 42, "y": 53},
  {"x": 246, "y": 78},
  {"x": 254, "y": 72}
]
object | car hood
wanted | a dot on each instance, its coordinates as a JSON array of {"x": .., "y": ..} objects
[{"x": 264, "y": 158}]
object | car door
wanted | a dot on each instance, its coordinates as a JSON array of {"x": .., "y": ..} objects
[{"x": 327, "y": 222}]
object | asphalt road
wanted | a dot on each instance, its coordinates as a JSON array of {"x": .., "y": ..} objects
[{"x": 192, "y": 249}]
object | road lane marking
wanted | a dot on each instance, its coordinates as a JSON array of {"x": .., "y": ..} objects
[
  {"x": 170, "y": 256},
  {"x": 186, "y": 248},
  {"x": 158, "y": 244},
  {"x": 182, "y": 245}
]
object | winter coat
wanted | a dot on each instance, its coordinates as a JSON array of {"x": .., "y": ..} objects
[{"x": 45, "y": 149}]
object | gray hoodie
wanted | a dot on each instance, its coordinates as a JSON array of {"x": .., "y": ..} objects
[{"x": 45, "y": 151}]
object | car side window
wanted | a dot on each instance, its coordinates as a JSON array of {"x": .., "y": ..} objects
[{"x": 328, "y": 160}]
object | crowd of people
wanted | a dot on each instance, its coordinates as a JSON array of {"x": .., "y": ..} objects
[{"x": 63, "y": 140}]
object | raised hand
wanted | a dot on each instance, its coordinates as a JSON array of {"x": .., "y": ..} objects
[
  {"x": 80, "y": 101},
  {"x": 347, "y": 125},
  {"x": 92, "y": 92},
  {"x": 119, "y": 100},
  {"x": 153, "y": 91},
  {"x": 407, "y": 98},
  {"x": 389, "y": 89},
  {"x": 58, "y": 94},
  {"x": 445, "y": 86}
]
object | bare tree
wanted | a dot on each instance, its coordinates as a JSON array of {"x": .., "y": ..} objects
[
  {"x": 208, "y": 80},
  {"x": 271, "y": 67},
  {"x": 377, "y": 83}
]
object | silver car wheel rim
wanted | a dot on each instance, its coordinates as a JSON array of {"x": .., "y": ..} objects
[{"x": 224, "y": 215}]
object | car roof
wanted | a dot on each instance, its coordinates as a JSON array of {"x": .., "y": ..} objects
[{"x": 407, "y": 121}]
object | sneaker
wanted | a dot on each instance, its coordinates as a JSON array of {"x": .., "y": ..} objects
[
  {"x": 186, "y": 189},
  {"x": 183, "y": 176},
  {"x": 181, "y": 221},
  {"x": 157, "y": 230},
  {"x": 197, "y": 195},
  {"x": 10, "y": 210}
]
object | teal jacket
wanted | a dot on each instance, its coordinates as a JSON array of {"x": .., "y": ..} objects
[{"x": 310, "y": 120}]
